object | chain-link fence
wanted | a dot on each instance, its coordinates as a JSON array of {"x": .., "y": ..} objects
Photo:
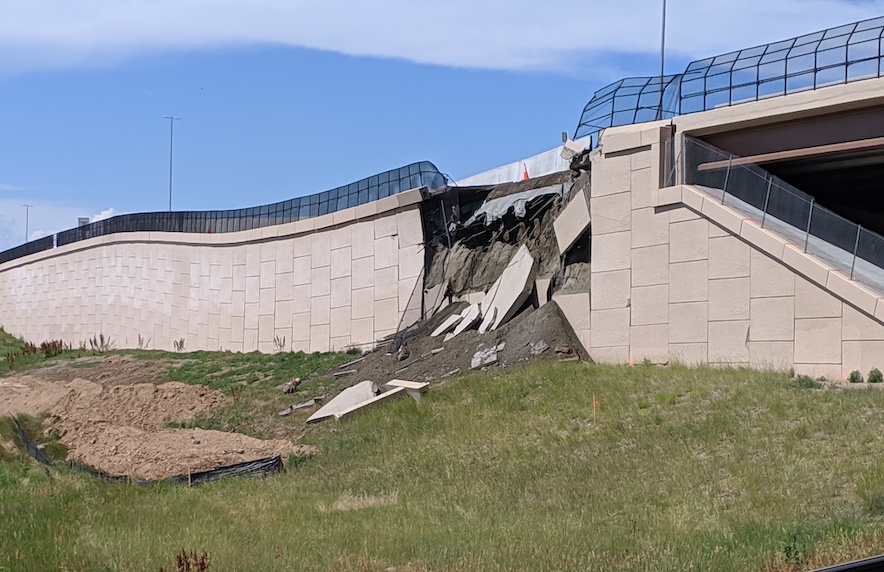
[{"x": 779, "y": 206}]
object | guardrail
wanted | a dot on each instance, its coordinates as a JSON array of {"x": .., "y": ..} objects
[
  {"x": 388, "y": 183},
  {"x": 838, "y": 55},
  {"x": 781, "y": 207}
]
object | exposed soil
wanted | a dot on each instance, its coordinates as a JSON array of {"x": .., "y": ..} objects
[{"x": 112, "y": 417}]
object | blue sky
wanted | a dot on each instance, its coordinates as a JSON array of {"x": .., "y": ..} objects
[{"x": 284, "y": 98}]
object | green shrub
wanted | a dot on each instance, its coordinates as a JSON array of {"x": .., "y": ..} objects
[
  {"x": 806, "y": 382},
  {"x": 875, "y": 376},
  {"x": 855, "y": 377}
]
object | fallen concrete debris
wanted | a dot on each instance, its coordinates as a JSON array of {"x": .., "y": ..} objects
[
  {"x": 572, "y": 222},
  {"x": 471, "y": 315},
  {"x": 538, "y": 348},
  {"x": 447, "y": 325},
  {"x": 366, "y": 394},
  {"x": 353, "y": 362},
  {"x": 344, "y": 373},
  {"x": 484, "y": 357},
  {"x": 344, "y": 400},
  {"x": 563, "y": 349},
  {"x": 302, "y": 405},
  {"x": 510, "y": 291},
  {"x": 414, "y": 388}
]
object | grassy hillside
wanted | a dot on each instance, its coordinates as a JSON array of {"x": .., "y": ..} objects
[{"x": 682, "y": 468}]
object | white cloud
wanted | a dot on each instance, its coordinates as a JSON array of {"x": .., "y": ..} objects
[
  {"x": 45, "y": 218},
  {"x": 494, "y": 34},
  {"x": 106, "y": 213}
]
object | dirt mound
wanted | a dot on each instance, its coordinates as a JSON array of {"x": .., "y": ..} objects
[
  {"x": 143, "y": 406},
  {"x": 155, "y": 455},
  {"x": 29, "y": 395}
]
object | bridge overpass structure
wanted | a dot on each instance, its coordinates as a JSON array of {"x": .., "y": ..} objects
[{"x": 740, "y": 225}]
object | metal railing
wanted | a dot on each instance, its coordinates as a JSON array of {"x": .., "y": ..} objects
[
  {"x": 388, "y": 183},
  {"x": 835, "y": 56},
  {"x": 779, "y": 206}
]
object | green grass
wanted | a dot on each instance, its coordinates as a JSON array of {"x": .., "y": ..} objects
[{"x": 705, "y": 469}]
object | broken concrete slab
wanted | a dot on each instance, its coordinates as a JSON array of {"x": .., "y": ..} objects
[
  {"x": 348, "y": 398},
  {"x": 413, "y": 388},
  {"x": 435, "y": 299},
  {"x": 538, "y": 348},
  {"x": 541, "y": 290},
  {"x": 470, "y": 315},
  {"x": 509, "y": 292},
  {"x": 302, "y": 405},
  {"x": 484, "y": 356},
  {"x": 572, "y": 222},
  {"x": 447, "y": 325},
  {"x": 375, "y": 399}
]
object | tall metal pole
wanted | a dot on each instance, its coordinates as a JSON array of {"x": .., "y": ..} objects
[
  {"x": 172, "y": 120},
  {"x": 662, "y": 54},
  {"x": 27, "y": 220}
]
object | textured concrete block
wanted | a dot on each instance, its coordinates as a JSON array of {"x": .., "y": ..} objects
[
  {"x": 610, "y": 213},
  {"x": 319, "y": 338},
  {"x": 619, "y": 142},
  {"x": 363, "y": 303},
  {"x": 411, "y": 261},
  {"x": 344, "y": 216},
  {"x": 320, "y": 307},
  {"x": 729, "y": 299},
  {"x": 386, "y": 252},
  {"x": 301, "y": 298},
  {"x": 362, "y": 270},
  {"x": 762, "y": 239},
  {"x": 410, "y": 228},
  {"x": 572, "y": 222},
  {"x": 301, "y": 270},
  {"x": 386, "y": 314},
  {"x": 643, "y": 184},
  {"x": 340, "y": 322},
  {"x": 668, "y": 196},
  {"x": 858, "y": 326},
  {"x": 610, "y": 289},
  {"x": 650, "y": 343},
  {"x": 688, "y": 354},
  {"x": 367, "y": 210},
  {"x": 385, "y": 225},
  {"x": 649, "y": 228},
  {"x": 774, "y": 356},
  {"x": 611, "y": 252},
  {"x": 728, "y": 342},
  {"x": 770, "y": 278},
  {"x": 609, "y": 328},
  {"x": 683, "y": 214},
  {"x": 650, "y": 266},
  {"x": 340, "y": 292},
  {"x": 688, "y": 322},
  {"x": 284, "y": 287},
  {"x": 301, "y": 327},
  {"x": 610, "y": 354},
  {"x": 611, "y": 175},
  {"x": 363, "y": 239},
  {"x": 509, "y": 292},
  {"x": 323, "y": 222},
  {"x": 252, "y": 290},
  {"x": 728, "y": 258},
  {"x": 818, "y": 340},
  {"x": 409, "y": 198},
  {"x": 689, "y": 281},
  {"x": 362, "y": 331},
  {"x": 320, "y": 281},
  {"x": 386, "y": 283},
  {"x": 863, "y": 356},
  {"x": 387, "y": 205},
  {"x": 341, "y": 261},
  {"x": 772, "y": 319},
  {"x": 320, "y": 249},
  {"x": 723, "y": 215},
  {"x": 689, "y": 241},
  {"x": 575, "y": 308},
  {"x": 650, "y": 306},
  {"x": 853, "y": 292},
  {"x": 341, "y": 237},
  {"x": 805, "y": 264},
  {"x": 266, "y": 302},
  {"x": 811, "y": 301}
]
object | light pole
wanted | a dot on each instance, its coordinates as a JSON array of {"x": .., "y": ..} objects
[
  {"x": 662, "y": 52},
  {"x": 172, "y": 119},
  {"x": 27, "y": 220}
]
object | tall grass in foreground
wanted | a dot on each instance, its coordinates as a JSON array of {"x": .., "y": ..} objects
[{"x": 702, "y": 469}]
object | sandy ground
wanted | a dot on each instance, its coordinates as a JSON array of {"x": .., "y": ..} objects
[{"x": 112, "y": 418}]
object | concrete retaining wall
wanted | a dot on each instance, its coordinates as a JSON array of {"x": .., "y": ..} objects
[{"x": 326, "y": 283}]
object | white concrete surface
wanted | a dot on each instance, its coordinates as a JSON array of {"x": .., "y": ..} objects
[{"x": 541, "y": 164}]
